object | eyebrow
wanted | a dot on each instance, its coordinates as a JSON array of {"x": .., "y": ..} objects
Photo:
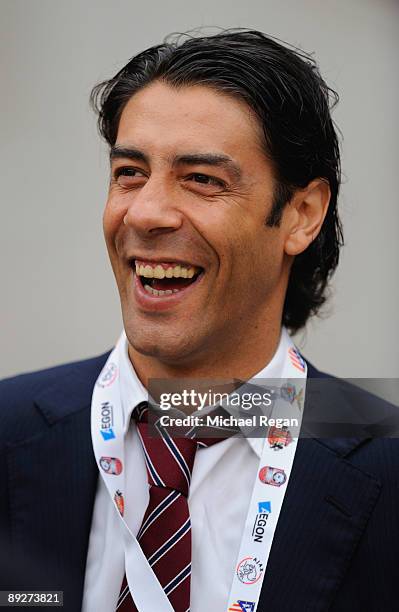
[
  {"x": 127, "y": 152},
  {"x": 188, "y": 159}
]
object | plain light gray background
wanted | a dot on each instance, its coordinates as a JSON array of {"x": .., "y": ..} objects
[{"x": 58, "y": 298}]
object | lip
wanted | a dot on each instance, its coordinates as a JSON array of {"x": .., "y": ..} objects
[{"x": 155, "y": 303}]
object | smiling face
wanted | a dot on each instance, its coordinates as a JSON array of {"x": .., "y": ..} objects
[{"x": 198, "y": 271}]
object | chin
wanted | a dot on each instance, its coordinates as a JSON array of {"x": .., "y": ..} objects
[{"x": 167, "y": 345}]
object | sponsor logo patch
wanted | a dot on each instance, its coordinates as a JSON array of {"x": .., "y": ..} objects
[
  {"x": 264, "y": 506},
  {"x": 108, "y": 375},
  {"x": 249, "y": 570},
  {"x": 242, "y": 606},
  {"x": 296, "y": 359},
  {"x": 111, "y": 465},
  {"x": 272, "y": 476},
  {"x": 279, "y": 437},
  {"x": 258, "y": 530},
  {"x": 288, "y": 393},
  {"x": 119, "y": 501},
  {"x": 107, "y": 421}
]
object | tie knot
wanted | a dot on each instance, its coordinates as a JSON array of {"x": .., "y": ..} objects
[
  {"x": 170, "y": 458},
  {"x": 140, "y": 413}
]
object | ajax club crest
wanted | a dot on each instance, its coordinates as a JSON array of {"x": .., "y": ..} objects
[
  {"x": 108, "y": 375},
  {"x": 249, "y": 570}
]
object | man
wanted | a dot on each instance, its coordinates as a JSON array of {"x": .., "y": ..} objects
[{"x": 222, "y": 230}]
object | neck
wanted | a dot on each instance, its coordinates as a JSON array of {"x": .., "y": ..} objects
[{"x": 241, "y": 358}]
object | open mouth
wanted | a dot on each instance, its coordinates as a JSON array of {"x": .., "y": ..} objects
[{"x": 163, "y": 279}]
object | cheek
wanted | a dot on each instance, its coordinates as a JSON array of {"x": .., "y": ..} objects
[
  {"x": 262, "y": 259},
  {"x": 112, "y": 220}
]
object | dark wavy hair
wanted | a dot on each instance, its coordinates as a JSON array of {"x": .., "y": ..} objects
[{"x": 285, "y": 89}]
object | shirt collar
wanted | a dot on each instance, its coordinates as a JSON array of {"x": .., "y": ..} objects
[
  {"x": 133, "y": 391},
  {"x": 274, "y": 370}
]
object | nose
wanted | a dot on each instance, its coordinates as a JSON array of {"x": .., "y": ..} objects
[{"x": 153, "y": 209}]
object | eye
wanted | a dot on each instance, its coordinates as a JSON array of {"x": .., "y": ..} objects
[
  {"x": 127, "y": 176},
  {"x": 205, "y": 179}
]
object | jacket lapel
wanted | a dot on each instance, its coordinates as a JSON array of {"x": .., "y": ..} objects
[
  {"x": 52, "y": 480},
  {"x": 325, "y": 511}
]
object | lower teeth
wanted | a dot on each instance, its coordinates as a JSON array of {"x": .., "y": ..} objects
[{"x": 159, "y": 292}]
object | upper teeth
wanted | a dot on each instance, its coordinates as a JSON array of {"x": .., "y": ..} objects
[{"x": 160, "y": 272}]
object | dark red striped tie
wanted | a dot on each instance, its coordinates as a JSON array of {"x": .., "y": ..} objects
[{"x": 165, "y": 534}]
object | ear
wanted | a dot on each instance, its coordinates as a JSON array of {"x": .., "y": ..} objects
[{"x": 305, "y": 215}]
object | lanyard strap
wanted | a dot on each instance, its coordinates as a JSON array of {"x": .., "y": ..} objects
[{"x": 266, "y": 500}]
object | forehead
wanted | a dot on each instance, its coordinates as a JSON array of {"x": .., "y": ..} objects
[{"x": 170, "y": 119}]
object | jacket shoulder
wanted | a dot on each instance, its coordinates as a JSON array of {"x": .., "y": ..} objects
[
  {"x": 368, "y": 424},
  {"x": 32, "y": 381},
  {"x": 28, "y": 400}
]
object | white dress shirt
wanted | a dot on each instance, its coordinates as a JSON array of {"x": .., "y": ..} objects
[{"x": 221, "y": 486}]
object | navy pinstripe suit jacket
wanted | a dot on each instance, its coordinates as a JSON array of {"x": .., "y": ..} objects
[{"x": 336, "y": 546}]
